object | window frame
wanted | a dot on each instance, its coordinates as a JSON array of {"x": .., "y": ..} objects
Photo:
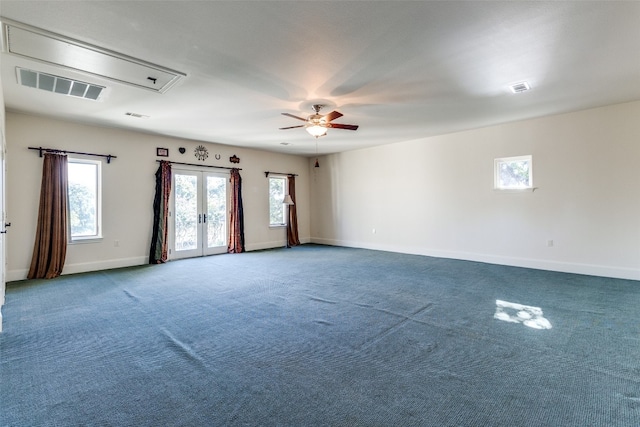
[
  {"x": 496, "y": 173},
  {"x": 98, "y": 237},
  {"x": 285, "y": 191}
]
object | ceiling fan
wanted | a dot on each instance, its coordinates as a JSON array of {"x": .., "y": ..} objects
[{"x": 317, "y": 124}]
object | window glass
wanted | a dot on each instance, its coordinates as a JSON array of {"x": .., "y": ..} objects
[
  {"x": 84, "y": 199},
  {"x": 513, "y": 173},
  {"x": 276, "y": 196}
]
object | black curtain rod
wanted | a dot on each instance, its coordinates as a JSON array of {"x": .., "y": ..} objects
[
  {"x": 55, "y": 150},
  {"x": 195, "y": 164},
  {"x": 280, "y": 173}
]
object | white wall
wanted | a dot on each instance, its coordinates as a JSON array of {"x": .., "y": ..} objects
[
  {"x": 128, "y": 190},
  {"x": 435, "y": 196}
]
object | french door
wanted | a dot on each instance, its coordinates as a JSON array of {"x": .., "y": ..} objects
[{"x": 199, "y": 213}]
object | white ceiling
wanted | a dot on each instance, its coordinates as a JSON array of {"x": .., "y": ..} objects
[{"x": 400, "y": 70}]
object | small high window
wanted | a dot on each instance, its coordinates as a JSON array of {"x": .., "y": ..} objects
[{"x": 513, "y": 173}]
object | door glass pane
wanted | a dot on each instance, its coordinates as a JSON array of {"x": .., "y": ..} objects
[
  {"x": 216, "y": 211},
  {"x": 186, "y": 212}
]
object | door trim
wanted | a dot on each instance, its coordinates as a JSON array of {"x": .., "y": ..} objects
[{"x": 202, "y": 248}]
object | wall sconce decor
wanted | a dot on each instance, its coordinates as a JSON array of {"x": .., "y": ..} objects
[{"x": 201, "y": 152}]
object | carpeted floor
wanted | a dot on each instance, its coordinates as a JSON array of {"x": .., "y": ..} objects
[{"x": 324, "y": 336}]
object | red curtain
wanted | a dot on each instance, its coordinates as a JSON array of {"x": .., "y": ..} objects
[
  {"x": 292, "y": 224},
  {"x": 160, "y": 235},
  {"x": 50, "y": 248},
  {"x": 236, "y": 223}
]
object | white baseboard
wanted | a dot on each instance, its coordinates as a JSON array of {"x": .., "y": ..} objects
[
  {"x": 271, "y": 245},
  {"x": 21, "y": 274},
  {"x": 263, "y": 245},
  {"x": 13, "y": 275},
  {"x": 539, "y": 264}
]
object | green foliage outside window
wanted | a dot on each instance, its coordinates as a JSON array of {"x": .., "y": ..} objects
[
  {"x": 276, "y": 196},
  {"x": 83, "y": 198},
  {"x": 216, "y": 211},
  {"x": 186, "y": 212},
  {"x": 513, "y": 173}
]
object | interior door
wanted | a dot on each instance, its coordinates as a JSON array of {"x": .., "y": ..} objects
[{"x": 199, "y": 213}]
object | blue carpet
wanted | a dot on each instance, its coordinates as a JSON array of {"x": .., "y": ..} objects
[{"x": 318, "y": 335}]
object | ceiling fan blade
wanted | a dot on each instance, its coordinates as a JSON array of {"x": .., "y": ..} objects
[
  {"x": 341, "y": 126},
  {"x": 332, "y": 116},
  {"x": 295, "y": 117},
  {"x": 293, "y": 127}
]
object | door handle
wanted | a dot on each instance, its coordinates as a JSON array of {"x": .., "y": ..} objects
[
  {"x": 204, "y": 217},
  {"x": 6, "y": 224},
  {"x": 199, "y": 218}
]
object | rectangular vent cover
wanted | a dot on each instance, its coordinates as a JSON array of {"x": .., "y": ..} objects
[
  {"x": 520, "y": 87},
  {"x": 57, "y": 84},
  {"x": 34, "y": 43},
  {"x": 136, "y": 115}
]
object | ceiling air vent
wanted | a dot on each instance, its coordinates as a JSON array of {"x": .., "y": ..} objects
[
  {"x": 34, "y": 43},
  {"x": 136, "y": 115},
  {"x": 57, "y": 84},
  {"x": 520, "y": 87}
]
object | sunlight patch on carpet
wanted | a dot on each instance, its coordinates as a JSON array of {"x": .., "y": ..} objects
[{"x": 518, "y": 313}]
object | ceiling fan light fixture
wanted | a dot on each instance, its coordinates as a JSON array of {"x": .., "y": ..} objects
[
  {"x": 316, "y": 130},
  {"x": 317, "y": 124}
]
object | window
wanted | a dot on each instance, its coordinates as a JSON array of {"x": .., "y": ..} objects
[
  {"x": 84, "y": 199},
  {"x": 276, "y": 196},
  {"x": 513, "y": 173}
]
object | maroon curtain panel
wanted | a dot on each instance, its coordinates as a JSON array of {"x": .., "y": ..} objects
[
  {"x": 236, "y": 222},
  {"x": 50, "y": 248},
  {"x": 292, "y": 225},
  {"x": 159, "y": 250}
]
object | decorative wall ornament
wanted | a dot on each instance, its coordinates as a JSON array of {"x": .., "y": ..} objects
[
  {"x": 234, "y": 159},
  {"x": 162, "y": 152},
  {"x": 217, "y": 156},
  {"x": 182, "y": 150},
  {"x": 201, "y": 152}
]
